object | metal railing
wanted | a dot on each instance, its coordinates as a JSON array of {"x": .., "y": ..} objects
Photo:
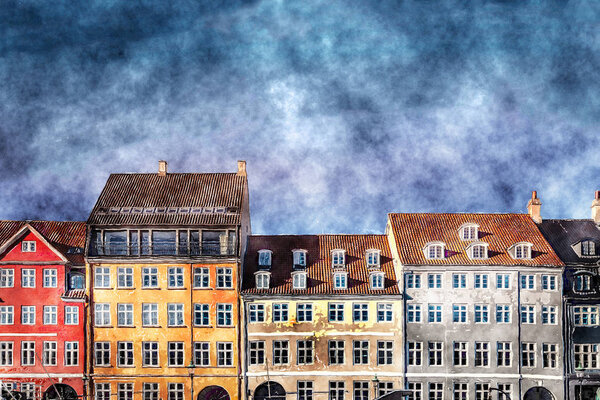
[{"x": 164, "y": 249}]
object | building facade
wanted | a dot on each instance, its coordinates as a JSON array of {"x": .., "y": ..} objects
[
  {"x": 163, "y": 265},
  {"x": 482, "y": 306},
  {"x": 322, "y": 318},
  {"x": 42, "y": 309}
]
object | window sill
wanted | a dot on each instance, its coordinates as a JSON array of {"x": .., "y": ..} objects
[
  {"x": 103, "y": 288},
  {"x": 151, "y": 326},
  {"x": 103, "y": 326},
  {"x": 126, "y": 288},
  {"x": 225, "y": 326},
  {"x": 151, "y": 366},
  {"x": 104, "y": 366},
  {"x": 203, "y": 326},
  {"x": 151, "y": 288},
  {"x": 177, "y": 326},
  {"x": 125, "y": 326},
  {"x": 202, "y": 288},
  {"x": 176, "y": 288}
]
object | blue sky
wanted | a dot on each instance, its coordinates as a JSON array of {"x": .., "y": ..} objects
[{"x": 344, "y": 110}]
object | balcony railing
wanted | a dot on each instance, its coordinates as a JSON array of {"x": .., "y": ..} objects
[{"x": 163, "y": 249}]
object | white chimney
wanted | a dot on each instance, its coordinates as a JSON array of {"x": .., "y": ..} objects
[
  {"x": 534, "y": 208},
  {"x": 241, "y": 168},
  {"x": 162, "y": 168},
  {"x": 596, "y": 208}
]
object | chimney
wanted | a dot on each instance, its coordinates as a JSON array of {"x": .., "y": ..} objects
[
  {"x": 533, "y": 208},
  {"x": 162, "y": 168},
  {"x": 241, "y": 168},
  {"x": 596, "y": 208}
]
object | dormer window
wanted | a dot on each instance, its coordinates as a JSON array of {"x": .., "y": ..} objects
[
  {"x": 264, "y": 258},
  {"x": 521, "y": 251},
  {"x": 28, "y": 246},
  {"x": 263, "y": 280},
  {"x": 373, "y": 258},
  {"x": 469, "y": 231},
  {"x": 376, "y": 280},
  {"x": 588, "y": 248},
  {"x": 299, "y": 258},
  {"x": 299, "y": 280},
  {"x": 478, "y": 251},
  {"x": 340, "y": 280},
  {"x": 76, "y": 281},
  {"x": 583, "y": 283},
  {"x": 434, "y": 250},
  {"x": 338, "y": 258}
]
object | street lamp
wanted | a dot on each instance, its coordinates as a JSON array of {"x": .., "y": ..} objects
[
  {"x": 376, "y": 385},
  {"x": 499, "y": 391},
  {"x": 191, "y": 369}
]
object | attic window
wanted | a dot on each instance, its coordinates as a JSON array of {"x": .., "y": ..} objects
[
  {"x": 377, "y": 280},
  {"x": 478, "y": 251},
  {"x": 373, "y": 258},
  {"x": 521, "y": 251},
  {"x": 469, "y": 232},
  {"x": 434, "y": 250},
  {"x": 264, "y": 258},
  {"x": 299, "y": 258},
  {"x": 299, "y": 280},
  {"x": 583, "y": 282},
  {"x": 338, "y": 259},
  {"x": 262, "y": 280},
  {"x": 340, "y": 280},
  {"x": 28, "y": 246},
  {"x": 588, "y": 248}
]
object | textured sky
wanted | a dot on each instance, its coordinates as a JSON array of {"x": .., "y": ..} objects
[{"x": 344, "y": 110}]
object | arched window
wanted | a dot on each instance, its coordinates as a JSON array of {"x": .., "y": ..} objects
[
  {"x": 263, "y": 280},
  {"x": 478, "y": 251},
  {"x": 583, "y": 283},
  {"x": 299, "y": 258},
  {"x": 299, "y": 280},
  {"x": 377, "y": 280},
  {"x": 434, "y": 250},
  {"x": 469, "y": 231},
  {"x": 521, "y": 251},
  {"x": 264, "y": 258},
  {"x": 76, "y": 281},
  {"x": 373, "y": 258}
]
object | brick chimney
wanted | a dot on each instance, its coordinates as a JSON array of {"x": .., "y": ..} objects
[
  {"x": 596, "y": 208},
  {"x": 533, "y": 208},
  {"x": 241, "y": 168},
  {"x": 162, "y": 168}
]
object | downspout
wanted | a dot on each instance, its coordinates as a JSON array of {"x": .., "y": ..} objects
[
  {"x": 519, "y": 349},
  {"x": 192, "y": 345},
  {"x": 404, "y": 332}
]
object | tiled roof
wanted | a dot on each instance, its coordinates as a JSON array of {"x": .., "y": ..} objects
[
  {"x": 562, "y": 233},
  {"x": 501, "y": 231},
  {"x": 65, "y": 236},
  {"x": 177, "y": 191},
  {"x": 319, "y": 270}
]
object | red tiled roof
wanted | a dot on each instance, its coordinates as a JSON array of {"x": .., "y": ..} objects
[
  {"x": 413, "y": 231},
  {"x": 174, "y": 190},
  {"x": 319, "y": 271},
  {"x": 63, "y": 235}
]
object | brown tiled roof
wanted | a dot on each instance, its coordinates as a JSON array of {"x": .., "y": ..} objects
[
  {"x": 319, "y": 271},
  {"x": 65, "y": 236},
  {"x": 223, "y": 190},
  {"x": 413, "y": 231}
]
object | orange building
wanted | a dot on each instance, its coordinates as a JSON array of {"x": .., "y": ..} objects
[{"x": 163, "y": 269}]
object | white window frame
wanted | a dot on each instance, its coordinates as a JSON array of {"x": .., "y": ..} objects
[
  {"x": 28, "y": 246},
  {"x": 377, "y": 281},
  {"x": 299, "y": 279},
  {"x": 102, "y": 277},
  {"x": 224, "y": 278},
  {"x": 265, "y": 258},
  {"x": 150, "y": 278},
  {"x": 27, "y": 353},
  {"x": 28, "y": 278},
  {"x": 338, "y": 258},
  {"x": 50, "y": 315},
  {"x": 340, "y": 280},
  {"x": 435, "y": 251},
  {"x": 71, "y": 354},
  {"x": 125, "y": 314},
  {"x": 299, "y": 257},
  {"x": 263, "y": 280},
  {"x": 469, "y": 232},
  {"x": 522, "y": 251},
  {"x": 373, "y": 258},
  {"x": 28, "y": 314},
  {"x": 101, "y": 312},
  {"x": 6, "y": 354},
  {"x": 478, "y": 251},
  {"x": 71, "y": 315},
  {"x": 175, "y": 315},
  {"x": 257, "y": 313},
  {"x": 50, "y": 279},
  {"x": 7, "y": 315},
  {"x": 125, "y": 278},
  {"x": 201, "y": 278},
  {"x": 7, "y": 277},
  {"x": 175, "y": 278}
]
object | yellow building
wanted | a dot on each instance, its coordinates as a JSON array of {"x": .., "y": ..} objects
[{"x": 163, "y": 269}]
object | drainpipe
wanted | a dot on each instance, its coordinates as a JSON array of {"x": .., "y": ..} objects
[{"x": 519, "y": 346}]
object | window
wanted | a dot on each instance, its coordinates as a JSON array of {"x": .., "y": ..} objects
[
  {"x": 528, "y": 314},
  {"x": 257, "y": 352},
  {"x": 434, "y": 313},
  {"x": 588, "y": 248},
  {"x": 360, "y": 312},
  {"x": 482, "y": 354},
  {"x": 28, "y": 315},
  {"x": 459, "y": 313},
  {"x": 125, "y": 391},
  {"x": 124, "y": 277},
  {"x": 175, "y": 391},
  {"x": 280, "y": 312},
  {"x": 101, "y": 314},
  {"x": 435, "y": 353},
  {"x": 586, "y": 356},
  {"x": 413, "y": 312},
  {"x": 385, "y": 352},
  {"x": 28, "y": 246},
  {"x": 338, "y": 258},
  {"x": 299, "y": 280},
  {"x": 384, "y": 312},
  {"x": 149, "y": 277},
  {"x": 459, "y": 281},
  {"x": 460, "y": 354},
  {"x": 201, "y": 314},
  {"x": 281, "y": 352},
  {"x": 28, "y": 278},
  {"x": 336, "y": 352},
  {"x": 340, "y": 280},
  {"x": 549, "y": 315},
  {"x": 384, "y": 388},
  {"x": 583, "y": 283},
  {"x": 71, "y": 315},
  {"x": 503, "y": 354},
  {"x": 49, "y": 353},
  {"x": 482, "y": 391},
  {"x": 549, "y": 355},
  {"x": 224, "y": 354},
  {"x": 262, "y": 280},
  {"x": 71, "y": 353},
  {"x": 125, "y": 354},
  {"x": 528, "y": 355},
  {"x": 305, "y": 352},
  {"x": 377, "y": 280},
  {"x": 175, "y": 276},
  {"x": 50, "y": 277},
  {"x": 201, "y": 278},
  {"x": 7, "y": 315},
  {"x": 436, "y": 391},
  {"x": 434, "y": 281},
  {"x": 6, "y": 353},
  {"x": 264, "y": 258},
  {"x": 586, "y": 315},
  {"x": 434, "y": 251},
  {"x": 102, "y": 354},
  {"x": 257, "y": 312},
  {"x": 361, "y": 390},
  {"x": 27, "y": 353},
  {"x": 372, "y": 257},
  {"x": 360, "y": 350},
  {"x": 468, "y": 232},
  {"x": 502, "y": 281},
  {"x": 548, "y": 282},
  {"x": 224, "y": 278},
  {"x": 224, "y": 314},
  {"x": 461, "y": 391},
  {"x": 50, "y": 313},
  {"x": 522, "y": 251},
  {"x": 336, "y": 312},
  {"x": 102, "y": 391},
  {"x": 175, "y": 314},
  {"x": 125, "y": 314},
  {"x": 150, "y": 314},
  {"x": 176, "y": 354},
  {"x": 202, "y": 354},
  {"x": 76, "y": 281},
  {"x": 481, "y": 281},
  {"x": 481, "y": 314},
  {"x": 528, "y": 282},
  {"x": 417, "y": 390},
  {"x": 7, "y": 277},
  {"x": 29, "y": 389},
  {"x": 150, "y": 354},
  {"x": 304, "y": 312},
  {"x": 299, "y": 258},
  {"x": 478, "y": 251},
  {"x": 503, "y": 313},
  {"x": 413, "y": 281},
  {"x": 102, "y": 277},
  {"x": 505, "y": 391},
  {"x": 305, "y": 390},
  {"x": 415, "y": 353},
  {"x": 336, "y": 390}
]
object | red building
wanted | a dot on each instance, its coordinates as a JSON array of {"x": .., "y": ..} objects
[{"x": 42, "y": 309}]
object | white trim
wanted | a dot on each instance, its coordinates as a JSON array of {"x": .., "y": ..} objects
[
  {"x": 31, "y": 229},
  {"x": 467, "y": 375},
  {"x": 325, "y": 373},
  {"x": 359, "y": 334},
  {"x": 28, "y": 334},
  {"x": 281, "y": 334},
  {"x": 30, "y": 375}
]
